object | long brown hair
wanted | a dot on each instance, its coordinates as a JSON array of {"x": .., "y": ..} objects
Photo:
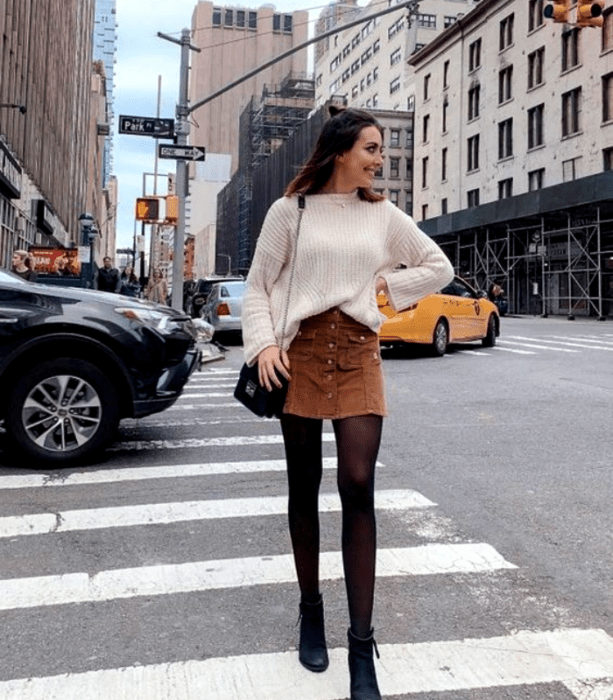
[{"x": 338, "y": 135}]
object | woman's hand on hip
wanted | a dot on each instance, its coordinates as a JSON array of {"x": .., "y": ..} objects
[
  {"x": 271, "y": 360},
  {"x": 381, "y": 285}
]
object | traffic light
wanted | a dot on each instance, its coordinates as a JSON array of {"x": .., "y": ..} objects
[
  {"x": 558, "y": 11},
  {"x": 172, "y": 208},
  {"x": 148, "y": 209},
  {"x": 589, "y": 13}
]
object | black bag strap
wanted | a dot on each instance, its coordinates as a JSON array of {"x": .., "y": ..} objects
[{"x": 301, "y": 207}]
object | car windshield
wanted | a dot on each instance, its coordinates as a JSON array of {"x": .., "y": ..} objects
[{"x": 6, "y": 276}]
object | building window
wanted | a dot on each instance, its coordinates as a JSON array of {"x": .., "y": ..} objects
[
  {"x": 535, "y": 126},
  {"x": 367, "y": 55},
  {"x": 411, "y": 103},
  {"x": 536, "y": 179},
  {"x": 473, "y": 152},
  {"x": 607, "y": 97},
  {"x": 444, "y": 206},
  {"x": 395, "y": 28},
  {"x": 354, "y": 91},
  {"x": 395, "y": 167},
  {"x": 396, "y": 57},
  {"x": 355, "y": 67},
  {"x": 445, "y": 112},
  {"x": 335, "y": 63},
  {"x": 375, "y": 100},
  {"x": 409, "y": 169},
  {"x": 395, "y": 197},
  {"x": 427, "y": 87},
  {"x": 505, "y": 84},
  {"x": 446, "y": 74},
  {"x": 607, "y": 159},
  {"x": 346, "y": 51},
  {"x": 536, "y": 61},
  {"x": 276, "y": 23},
  {"x": 472, "y": 198},
  {"x": 394, "y": 138},
  {"x": 535, "y": 15},
  {"x": 424, "y": 172},
  {"x": 505, "y": 188},
  {"x": 505, "y": 139},
  {"x": 474, "y": 55},
  {"x": 253, "y": 20},
  {"x": 375, "y": 73},
  {"x": 394, "y": 85},
  {"x": 571, "y": 112},
  {"x": 444, "y": 164},
  {"x": 217, "y": 16},
  {"x": 424, "y": 212},
  {"x": 287, "y": 24},
  {"x": 376, "y": 46},
  {"x": 240, "y": 19},
  {"x": 408, "y": 203},
  {"x": 426, "y": 125},
  {"x": 426, "y": 21},
  {"x": 570, "y": 169},
  {"x": 229, "y": 18},
  {"x": 473, "y": 102},
  {"x": 607, "y": 30},
  {"x": 506, "y": 32},
  {"x": 570, "y": 49},
  {"x": 448, "y": 21}
]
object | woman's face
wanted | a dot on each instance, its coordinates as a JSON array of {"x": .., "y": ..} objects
[
  {"x": 129, "y": 270},
  {"x": 357, "y": 167},
  {"x": 18, "y": 259}
]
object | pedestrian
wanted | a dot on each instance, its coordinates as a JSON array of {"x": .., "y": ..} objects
[
  {"x": 157, "y": 287},
  {"x": 351, "y": 241},
  {"x": 107, "y": 277},
  {"x": 22, "y": 265},
  {"x": 130, "y": 286}
]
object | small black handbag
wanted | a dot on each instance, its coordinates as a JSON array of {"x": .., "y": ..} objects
[{"x": 248, "y": 390}]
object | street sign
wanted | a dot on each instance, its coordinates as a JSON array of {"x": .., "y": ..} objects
[
  {"x": 147, "y": 126},
  {"x": 181, "y": 152}
]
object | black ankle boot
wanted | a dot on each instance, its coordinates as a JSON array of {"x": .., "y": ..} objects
[
  {"x": 362, "y": 667},
  {"x": 312, "y": 651}
]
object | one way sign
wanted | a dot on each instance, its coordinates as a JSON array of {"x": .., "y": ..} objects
[{"x": 181, "y": 152}]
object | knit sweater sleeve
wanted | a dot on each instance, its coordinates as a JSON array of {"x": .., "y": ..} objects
[
  {"x": 271, "y": 254},
  {"x": 427, "y": 270}
]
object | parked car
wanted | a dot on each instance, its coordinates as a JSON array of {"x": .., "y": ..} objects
[
  {"x": 224, "y": 306},
  {"x": 73, "y": 362},
  {"x": 201, "y": 290},
  {"x": 457, "y": 314}
]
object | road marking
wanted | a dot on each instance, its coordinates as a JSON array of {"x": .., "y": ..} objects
[
  {"x": 476, "y": 352},
  {"x": 563, "y": 342},
  {"x": 513, "y": 350},
  {"x": 538, "y": 347},
  {"x": 183, "y": 511},
  {"x": 208, "y": 395},
  {"x": 235, "y": 441},
  {"x": 520, "y": 659},
  {"x": 169, "y": 579},
  {"x": 591, "y": 338},
  {"x": 590, "y": 689},
  {"x": 192, "y": 406},
  {"x": 122, "y": 474},
  {"x": 129, "y": 425}
]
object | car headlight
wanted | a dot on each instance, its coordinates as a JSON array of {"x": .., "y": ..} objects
[{"x": 148, "y": 317}]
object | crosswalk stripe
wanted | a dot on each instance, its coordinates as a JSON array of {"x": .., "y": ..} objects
[
  {"x": 195, "y": 406},
  {"x": 536, "y": 346},
  {"x": 564, "y": 342},
  {"x": 205, "y": 394},
  {"x": 183, "y": 511},
  {"x": 476, "y": 352},
  {"x": 167, "y": 579},
  {"x": 234, "y": 441},
  {"x": 569, "y": 656},
  {"x": 122, "y": 474},
  {"x": 513, "y": 350},
  {"x": 202, "y": 388},
  {"x": 590, "y": 689},
  {"x": 591, "y": 338}
]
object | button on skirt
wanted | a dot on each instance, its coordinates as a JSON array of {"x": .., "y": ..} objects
[{"x": 335, "y": 364}]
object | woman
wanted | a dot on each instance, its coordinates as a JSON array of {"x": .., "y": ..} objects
[
  {"x": 157, "y": 288},
  {"x": 22, "y": 265},
  {"x": 350, "y": 242},
  {"x": 130, "y": 286}
]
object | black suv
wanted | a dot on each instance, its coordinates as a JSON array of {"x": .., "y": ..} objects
[
  {"x": 202, "y": 289},
  {"x": 73, "y": 362}
]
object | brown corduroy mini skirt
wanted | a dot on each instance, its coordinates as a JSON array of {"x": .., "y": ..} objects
[{"x": 335, "y": 365}]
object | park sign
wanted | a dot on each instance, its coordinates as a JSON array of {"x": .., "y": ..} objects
[
  {"x": 181, "y": 152},
  {"x": 147, "y": 126}
]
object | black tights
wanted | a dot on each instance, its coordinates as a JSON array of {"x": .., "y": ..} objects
[{"x": 357, "y": 441}]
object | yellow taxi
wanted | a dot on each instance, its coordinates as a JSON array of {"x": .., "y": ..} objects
[{"x": 457, "y": 314}]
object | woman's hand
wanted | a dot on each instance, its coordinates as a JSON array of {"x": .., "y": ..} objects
[
  {"x": 271, "y": 360},
  {"x": 381, "y": 286}
]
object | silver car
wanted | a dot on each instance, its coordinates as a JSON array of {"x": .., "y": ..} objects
[{"x": 224, "y": 306}]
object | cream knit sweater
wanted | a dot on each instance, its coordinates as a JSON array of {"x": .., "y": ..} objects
[{"x": 344, "y": 245}]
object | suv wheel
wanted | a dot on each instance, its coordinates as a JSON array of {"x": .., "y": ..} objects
[{"x": 61, "y": 411}]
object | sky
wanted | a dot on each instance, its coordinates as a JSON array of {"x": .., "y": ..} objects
[{"x": 141, "y": 57}]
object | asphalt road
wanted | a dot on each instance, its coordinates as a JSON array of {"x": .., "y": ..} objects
[{"x": 164, "y": 571}]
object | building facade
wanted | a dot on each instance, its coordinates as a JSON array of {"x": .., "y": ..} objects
[
  {"x": 105, "y": 49},
  {"x": 233, "y": 41},
  {"x": 45, "y": 123},
  {"x": 514, "y": 154}
]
